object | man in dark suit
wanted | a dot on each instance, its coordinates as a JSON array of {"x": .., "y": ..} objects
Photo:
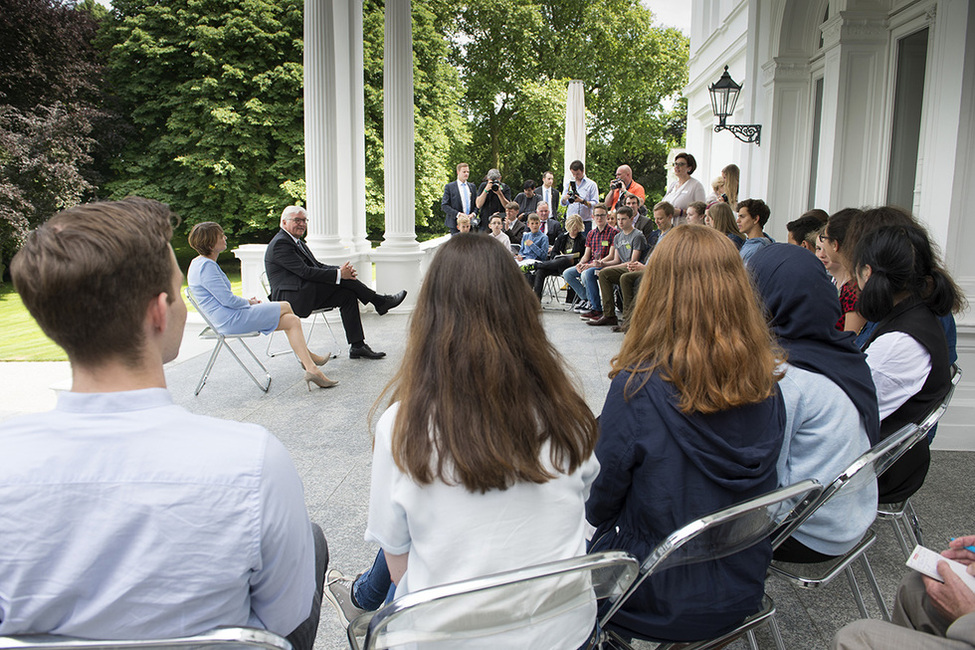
[
  {"x": 458, "y": 199},
  {"x": 298, "y": 278},
  {"x": 513, "y": 226},
  {"x": 640, "y": 221},
  {"x": 549, "y": 226},
  {"x": 548, "y": 193}
]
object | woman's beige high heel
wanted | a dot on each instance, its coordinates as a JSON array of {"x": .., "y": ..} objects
[
  {"x": 319, "y": 380},
  {"x": 317, "y": 360}
]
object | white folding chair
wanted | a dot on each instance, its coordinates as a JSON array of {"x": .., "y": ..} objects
[
  {"x": 314, "y": 316},
  {"x": 901, "y": 515},
  {"x": 864, "y": 469},
  {"x": 210, "y": 332},
  {"x": 717, "y": 536},
  {"x": 495, "y": 610},
  {"x": 223, "y": 638}
]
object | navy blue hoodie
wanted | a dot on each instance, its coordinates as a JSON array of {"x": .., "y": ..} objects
[{"x": 661, "y": 469}]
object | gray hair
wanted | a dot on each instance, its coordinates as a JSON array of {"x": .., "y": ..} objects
[
  {"x": 292, "y": 211},
  {"x": 494, "y": 175}
]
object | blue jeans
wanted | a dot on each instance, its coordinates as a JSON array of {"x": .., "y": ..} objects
[
  {"x": 585, "y": 285},
  {"x": 374, "y": 587}
]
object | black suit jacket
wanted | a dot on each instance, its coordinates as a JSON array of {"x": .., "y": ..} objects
[
  {"x": 516, "y": 231},
  {"x": 645, "y": 225},
  {"x": 552, "y": 231},
  {"x": 290, "y": 271},
  {"x": 452, "y": 203},
  {"x": 553, "y": 203}
]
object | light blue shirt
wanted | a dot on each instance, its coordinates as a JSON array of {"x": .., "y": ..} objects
[
  {"x": 588, "y": 191},
  {"x": 823, "y": 436},
  {"x": 125, "y": 516},
  {"x": 534, "y": 246}
]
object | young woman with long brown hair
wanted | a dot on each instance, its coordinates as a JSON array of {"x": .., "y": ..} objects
[
  {"x": 484, "y": 459},
  {"x": 692, "y": 423}
]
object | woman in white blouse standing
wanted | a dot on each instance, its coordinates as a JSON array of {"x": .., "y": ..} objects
[{"x": 685, "y": 190}]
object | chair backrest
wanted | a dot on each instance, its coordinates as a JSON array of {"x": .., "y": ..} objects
[
  {"x": 726, "y": 532},
  {"x": 196, "y": 306},
  {"x": 265, "y": 283},
  {"x": 490, "y": 611},
  {"x": 224, "y": 638},
  {"x": 931, "y": 419},
  {"x": 864, "y": 470}
]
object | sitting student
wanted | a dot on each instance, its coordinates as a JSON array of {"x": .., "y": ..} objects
[
  {"x": 753, "y": 214},
  {"x": 830, "y": 401},
  {"x": 691, "y": 424},
  {"x": 928, "y": 614},
  {"x": 513, "y": 226},
  {"x": 124, "y": 515},
  {"x": 463, "y": 224},
  {"x": 641, "y": 221},
  {"x": 568, "y": 248},
  {"x": 840, "y": 268},
  {"x": 232, "y": 314},
  {"x": 663, "y": 216},
  {"x": 695, "y": 213},
  {"x": 804, "y": 230},
  {"x": 903, "y": 289},
  {"x": 721, "y": 217},
  {"x": 461, "y": 485},
  {"x": 628, "y": 246},
  {"x": 599, "y": 247},
  {"x": 717, "y": 190},
  {"x": 495, "y": 230},
  {"x": 534, "y": 244}
]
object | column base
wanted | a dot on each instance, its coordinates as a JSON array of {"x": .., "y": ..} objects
[
  {"x": 397, "y": 270},
  {"x": 251, "y": 258}
]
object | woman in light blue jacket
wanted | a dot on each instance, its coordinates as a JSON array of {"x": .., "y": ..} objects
[{"x": 231, "y": 314}]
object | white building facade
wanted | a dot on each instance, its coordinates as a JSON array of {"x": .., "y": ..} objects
[{"x": 862, "y": 103}]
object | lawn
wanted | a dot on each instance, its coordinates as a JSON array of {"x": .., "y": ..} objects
[{"x": 23, "y": 340}]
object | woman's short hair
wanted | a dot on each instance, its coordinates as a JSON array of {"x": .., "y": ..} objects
[
  {"x": 689, "y": 159},
  {"x": 838, "y": 224},
  {"x": 87, "y": 276},
  {"x": 204, "y": 237},
  {"x": 574, "y": 219},
  {"x": 698, "y": 321},
  {"x": 482, "y": 391}
]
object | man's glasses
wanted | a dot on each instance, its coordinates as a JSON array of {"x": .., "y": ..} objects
[{"x": 299, "y": 220}]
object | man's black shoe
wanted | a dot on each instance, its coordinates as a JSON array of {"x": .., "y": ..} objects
[
  {"x": 364, "y": 352},
  {"x": 385, "y": 303}
]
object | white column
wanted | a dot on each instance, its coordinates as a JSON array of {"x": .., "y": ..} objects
[
  {"x": 398, "y": 258},
  {"x": 320, "y": 132},
  {"x": 850, "y": 166},
  {"x": 575, "y": 127}
]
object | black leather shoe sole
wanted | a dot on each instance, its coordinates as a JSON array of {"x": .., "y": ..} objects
[{"x": 393, "y": 302}]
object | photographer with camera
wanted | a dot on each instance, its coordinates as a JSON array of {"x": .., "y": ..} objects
[
  {"x": 492, "y": 195},
  {"x": 580, "y": 194},
  {"x": 622, "y": 184}
]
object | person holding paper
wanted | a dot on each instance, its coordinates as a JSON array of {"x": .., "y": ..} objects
[{"x": 928, "y": 614}]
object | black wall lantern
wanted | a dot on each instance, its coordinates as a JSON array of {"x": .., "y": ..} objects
[{"x": 724, "y": 96}]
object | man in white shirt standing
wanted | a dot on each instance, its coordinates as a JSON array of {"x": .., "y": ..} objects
[
  {"x": 548, "y": 193},
  {"x": 581, "y": 194},
  {"x": 124, "y": 515},
  {"x": 458, "y": 199}
]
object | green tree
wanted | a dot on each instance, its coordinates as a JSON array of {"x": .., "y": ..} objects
[
  {"x": 516, "y": 59},
  {"x": 214, "y": 91},
  {"x": 438, "y": 123},
  {"x": 55, "y": 129}
]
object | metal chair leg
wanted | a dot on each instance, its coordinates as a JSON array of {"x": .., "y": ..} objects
[
  {"x": 914, "y": 524},
  {"x": 752, "y": 641},
  {"x": 872, "y": 579},
  {"x": 250, "y": 374},
  {"x": 895, "y": 524},
  {"x": 855, "y": 588},
  {"x": 776, "y": 633},
  {"x": 206, "y": 371}
]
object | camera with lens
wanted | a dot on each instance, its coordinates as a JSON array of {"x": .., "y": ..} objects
[
  {"x": 616, "y": 184},
  {"x": 495, "y": 186},
  {"x": 572, "y": 192}
]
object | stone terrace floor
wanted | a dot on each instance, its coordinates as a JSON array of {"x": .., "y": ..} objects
[{"x": 327, "y": 434}]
